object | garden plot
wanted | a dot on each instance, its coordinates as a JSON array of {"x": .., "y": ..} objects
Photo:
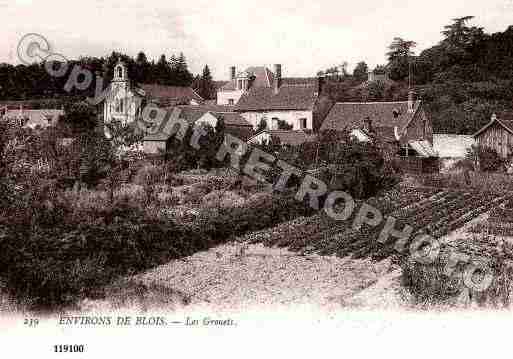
[
  {"x": 428, "y": 211},
  {"x": 238, "y": 277}
]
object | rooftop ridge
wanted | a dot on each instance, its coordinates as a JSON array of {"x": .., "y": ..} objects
[{"x": 372, "y": 103}]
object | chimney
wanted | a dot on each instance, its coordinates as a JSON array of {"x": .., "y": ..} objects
[
  {"x": 232, "y": 72},
  {"x": 320, "y": 84},
  {"x": 494, "y": 117},
  {"x": 411, "y": 100},
  {"x": 277, "y": 77}
]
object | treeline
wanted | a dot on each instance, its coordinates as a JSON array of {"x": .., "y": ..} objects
[
  {"x": 463, "y": 79},
  {"x": 23, "y": 82}
]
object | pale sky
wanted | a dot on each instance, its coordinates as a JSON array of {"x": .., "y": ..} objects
[{"x": 303, "y": 36}]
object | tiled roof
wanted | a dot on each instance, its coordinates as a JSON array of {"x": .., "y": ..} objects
[
  {"x": 287, "y": 137},
  {"x": 191, "y": 113},
  {"x": 452, "y": 146},
  {"x": 232, "y": 119},
  {"x": 170, "y": 95},
  {"x": 351, "y": 115},
  {"x": 289, "y": 97},
  {"x": 384, "y": 133}
]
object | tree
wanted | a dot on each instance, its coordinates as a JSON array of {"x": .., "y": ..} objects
[
  {"x": 400, "y": 56},
  {"x": 360, "y": 71},
  {"x": 180, "y": 72},
  {"x": 163, "y": 71},
  {"x": 485, "y": 158},
  {"x": 205, "y": 86},
  {"x": 262, "y": 125},
  {"x": 142, "y": 69},
  {"x": 80, "y": 117},
  {"x": 458, "y": 34}
]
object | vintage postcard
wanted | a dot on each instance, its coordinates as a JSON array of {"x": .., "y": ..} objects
[{"x": 256, "y": 178}]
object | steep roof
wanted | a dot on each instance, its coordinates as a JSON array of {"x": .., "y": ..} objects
[
  {"x": 289, "y": 97},
  {"x": 504, "y": 119},
  {"x": 232, "y": 119},
  {"x": 382, "y": 114},
  {"x": 287, "y": 137},
  {"x": 170, "y": 95}
]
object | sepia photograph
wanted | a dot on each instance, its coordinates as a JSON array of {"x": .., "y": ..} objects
[{"x": 256, "y": 178}]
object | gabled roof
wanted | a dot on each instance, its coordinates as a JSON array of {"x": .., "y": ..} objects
[
  {"x": 169, "y": 95},
  {"x": 386, "y": 115},
  {"x": 504, "y": 119},
  {"x": 232, "y": 119},
  {"x": 383, "y": 133},
  {"x": 287, "y": 137},
  {"x": 289, "y": 97}
]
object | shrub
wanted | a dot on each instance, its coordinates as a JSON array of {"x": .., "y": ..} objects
[
  {"x": 487, "y": 158},
  {"x": 434, "y": 284},
  {"x": 55, "y": 257}
]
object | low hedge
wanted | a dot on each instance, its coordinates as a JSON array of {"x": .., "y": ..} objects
[{"x": 54, "y": 262}]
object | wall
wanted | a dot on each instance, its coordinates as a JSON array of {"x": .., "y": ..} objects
[
  {"x": 153, "y": 147},
  {"x": 291, "y": 117},
  {"x": 129, "y": 109},
  {"x": 224, "y": 96},
  {"x": 497, "y": 138}
]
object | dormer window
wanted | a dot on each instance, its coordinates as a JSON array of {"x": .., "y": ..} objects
[{"x": 120, "y": 72}]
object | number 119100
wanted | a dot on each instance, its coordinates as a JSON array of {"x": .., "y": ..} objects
[{"x": 68, "y": 348}]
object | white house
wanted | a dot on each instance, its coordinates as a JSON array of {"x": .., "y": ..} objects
[{"x": 267, "y": 97}]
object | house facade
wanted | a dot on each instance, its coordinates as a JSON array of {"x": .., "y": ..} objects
[
  {"x": 234, "y": 124},
  {"x": 275, "y": 101},
  {"x": 497, "y": 134},
  {"x": 402, "y": 128}
]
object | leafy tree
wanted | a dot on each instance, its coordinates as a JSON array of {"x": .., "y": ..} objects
[
  {"x": 205, "y": 85},
  {"x": 360, "y": 71},
  {"x": 261, "y": 126},
  {"x": 283, "y": 125},
  {"x": 400, "y": 56},
  {"x": 485, "y": 158},
  {"x": 80, "y": 117}
]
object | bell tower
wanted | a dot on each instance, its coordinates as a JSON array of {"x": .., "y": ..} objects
[{"x": 120, "y": 72}]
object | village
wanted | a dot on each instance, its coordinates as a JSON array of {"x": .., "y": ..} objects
[{"x": 342, "y": 190}]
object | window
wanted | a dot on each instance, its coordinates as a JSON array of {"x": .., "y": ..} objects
[
  {"x": 231, "y": 101},
  {"x": 120, "y": 72},
  {"x": 274, "y": 123},
  {"x": 121, "y": 105},
  {"x": 302, "y": 123}
]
